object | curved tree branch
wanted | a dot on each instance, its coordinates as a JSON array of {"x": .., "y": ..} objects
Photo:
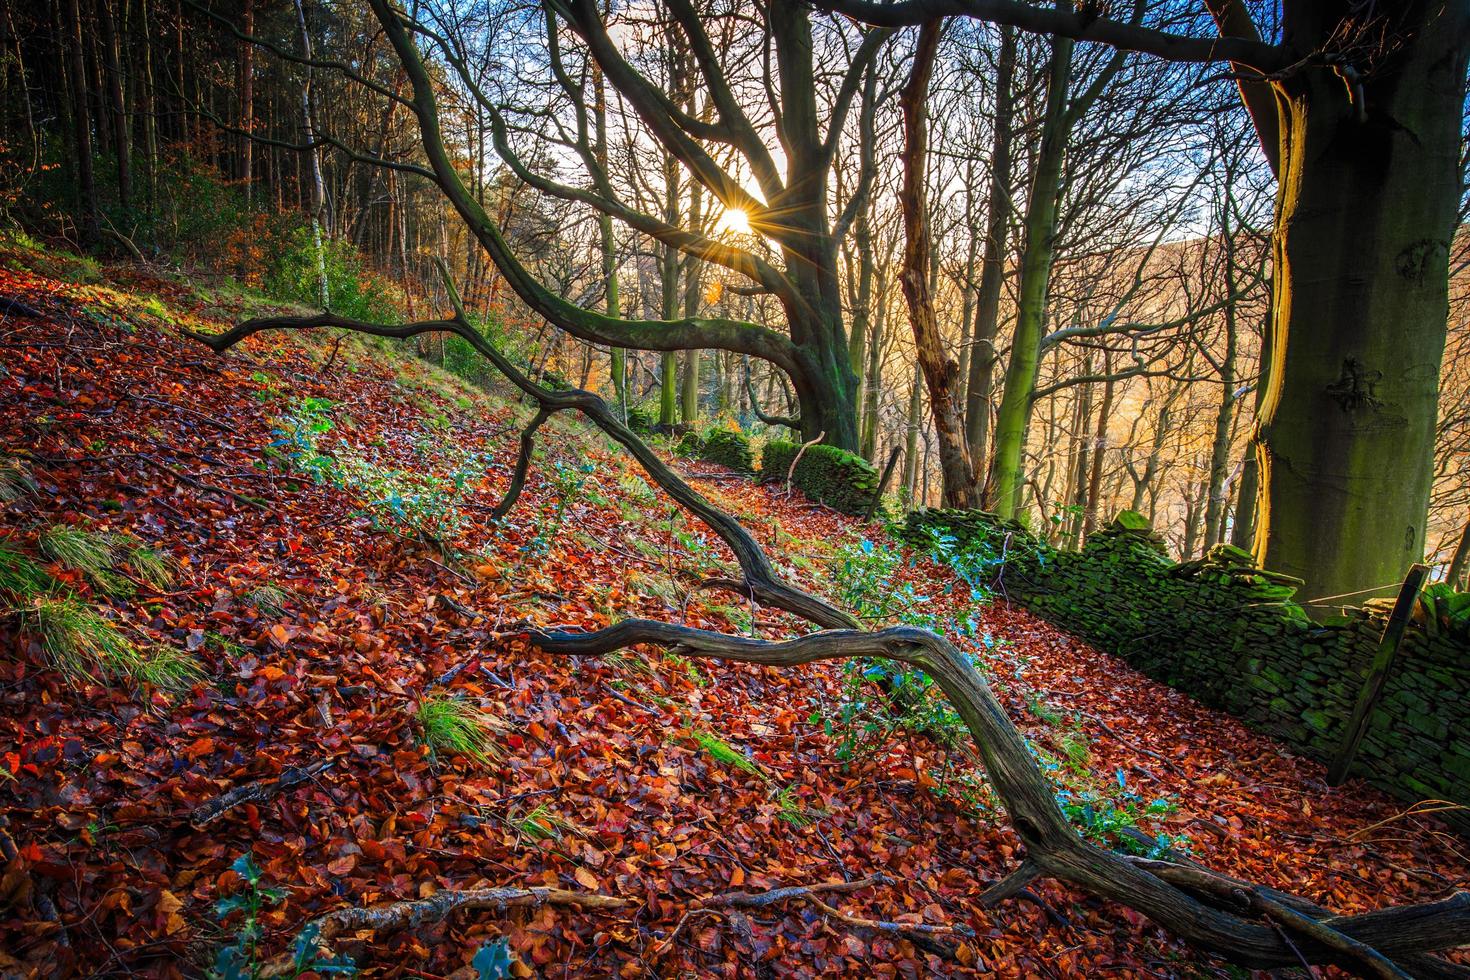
[{"x": 1080, "y": 25}]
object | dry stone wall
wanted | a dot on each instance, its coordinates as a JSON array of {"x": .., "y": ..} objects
[{"x": 1229, "y": 634}]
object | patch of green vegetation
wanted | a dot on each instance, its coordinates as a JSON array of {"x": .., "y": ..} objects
[
  {"x": 15, "y": 481},
  {"x": 543, "y": 823},
  {"x": 78, "y": 642},
  {"x": 268, "y": 600},
  {"x": 21, "y": 578},
  {"x": 789, "y": 809},
  {"x": 726, "y": 754},
  {"x": 240, "y": 959},
  {"x": 153, "y": 568},
  {"x": 168, "y": 669},
  {"x": 78, "y": 549},
  {"x": 451, "y": 724}
]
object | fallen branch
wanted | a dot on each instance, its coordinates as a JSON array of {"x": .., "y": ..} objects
[
  {"x": 409, "y": 914},
  {"x": 256, "y": 792}
]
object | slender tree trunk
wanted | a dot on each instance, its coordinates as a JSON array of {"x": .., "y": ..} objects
[
  {"x": 689, "y": 383},
  {"x": 119, "y": 122},
  {"x": 1365, "y": 211},
  {"x": 89, "y": 230},
  {"x": 318, "y": 188},
  {"x": 1455, "y": 573},
  {"x": 992, "y": 267},
  {"x": 247, "y": 99},
  {"x": 940, "y": 373},
  {"x": 1006, "y": 477},
  {"x": 911, "y": 437},
  {"x": 1099, "y": 452}
]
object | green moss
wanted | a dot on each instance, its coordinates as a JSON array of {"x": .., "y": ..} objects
[{"x": 828, "y": 475}]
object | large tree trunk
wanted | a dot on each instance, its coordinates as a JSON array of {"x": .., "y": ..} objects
[
  {"x": 940, "y": 372},
  {"x": 1364, "y": 217}
]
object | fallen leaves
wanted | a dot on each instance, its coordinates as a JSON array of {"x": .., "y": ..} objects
[{"x": 343, "y": 808}]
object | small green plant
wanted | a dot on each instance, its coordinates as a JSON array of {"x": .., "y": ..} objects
[
  {"x": 451, "y": 724},
  {"x": 78, "y": 549},
  {"x": 240, "y": 960},
  {"x": 790, "y": 810},
  {"x": 169, "y": 669},
  {"x": 21, "y": 578},
  {"x": 543, "y": 823},
  {"x": 151, "y": 567},
  {"x": 569, "y": 483},
  {"x": 726, "y": 754},
  {"x": 15, "y": 481},
  {"x": 493, "y": 961}
]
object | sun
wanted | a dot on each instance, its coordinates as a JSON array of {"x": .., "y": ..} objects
[{"x": 734, "y": 220}]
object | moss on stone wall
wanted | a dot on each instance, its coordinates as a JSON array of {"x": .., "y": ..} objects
[
  {"x": 1229, "y": 634},
  {"x": 826, "y": 474}
]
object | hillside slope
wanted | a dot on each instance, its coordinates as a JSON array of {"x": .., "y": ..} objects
[{"x": 297, "y": 483}]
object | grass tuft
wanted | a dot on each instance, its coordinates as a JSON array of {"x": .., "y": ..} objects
[
  {"x": 78, "y": 549},
  {"x": 268, "y": 600},
  {"x": 544, "y": 823},
  {"x": 21, "y": 579},
  {"x": 77, "y": 641},
  {"x": 790, "y": 810},
  {"x": 153, "y": 568},
  {"x": 15, "y": 481},
  {"x": 452, "y": 724},
  {"x": 169, "y": 669}
]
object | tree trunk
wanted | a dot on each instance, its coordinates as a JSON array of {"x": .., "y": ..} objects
[
  {"x": 992, "y": 266},
  {"x": 1099, "y": 450},
  {"x": 247, "y": 99},
  {"x": 940, "y": 373},
  {"x": 1365, "y": 211},
  {"x": 89, "y": 230},
  {"x": 1006, "y": 477}
]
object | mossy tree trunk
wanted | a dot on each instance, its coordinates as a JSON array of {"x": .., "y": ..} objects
[{"x": 1369, "y": 186}]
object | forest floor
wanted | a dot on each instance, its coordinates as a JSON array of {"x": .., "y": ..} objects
[{"x": 320, "y": 627}]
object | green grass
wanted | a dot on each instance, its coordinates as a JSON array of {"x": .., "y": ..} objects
[
  {"x": 77, "y": 641},
  {"x": 451, "y": 724},
  {"x": 726, "y": 754},
  {"x": 268, "y": 600},
  {"x": 78, "y": 549},
  {"x": 790, "y": 809},
  {"x": 169, "y": 669},
  {"x": 153, "y": 568},
  {"x": 21, "y": 579},
  {"x": 15, "y": 481},
  {"x": 544, "y": 823}
]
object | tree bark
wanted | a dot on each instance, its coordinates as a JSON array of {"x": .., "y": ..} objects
[
  {"x": 940, "y": 372},
  {"x": 992, "y": 267},
  {"x": 1006, "y": 477},
  {"x": 1366, "y": 207}
]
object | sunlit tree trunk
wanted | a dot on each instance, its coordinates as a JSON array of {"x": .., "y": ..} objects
[
  {"x": 1006, "y": 477},
  {"x": 939, "y": 372}
]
